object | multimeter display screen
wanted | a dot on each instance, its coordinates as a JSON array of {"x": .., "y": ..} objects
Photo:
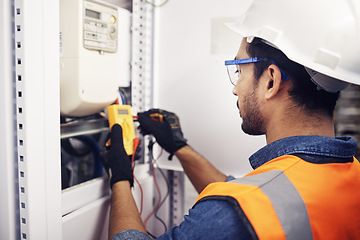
[
  {"x": 123, "y": 112},
  {"x": 92, "y": 14}
]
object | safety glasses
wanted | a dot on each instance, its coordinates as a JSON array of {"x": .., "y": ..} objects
[{"x": 234, "y": 73}]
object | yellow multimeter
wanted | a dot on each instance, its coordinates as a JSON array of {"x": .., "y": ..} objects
[{"x": 121, "y": 114}]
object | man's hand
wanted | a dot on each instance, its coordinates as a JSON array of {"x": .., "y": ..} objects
[
  {"x": 165, "y": 127},
  {"x": 117, "y": 162}
]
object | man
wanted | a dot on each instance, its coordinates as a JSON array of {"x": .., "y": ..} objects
[{"x": 305, "y": 183}]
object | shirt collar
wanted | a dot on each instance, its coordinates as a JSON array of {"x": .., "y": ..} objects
[{"x": 340, "y": 147}]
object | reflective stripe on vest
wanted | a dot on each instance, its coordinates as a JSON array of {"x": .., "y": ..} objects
[
  {"x": 278, "y": 199},
  {"x": 288, "y": 198}
]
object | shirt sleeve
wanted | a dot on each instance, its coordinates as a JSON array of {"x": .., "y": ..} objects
[
  {"x": 210, "y": 219},
  {"x": 130, "y": 235},
  {"x": 229, "y": 178}
]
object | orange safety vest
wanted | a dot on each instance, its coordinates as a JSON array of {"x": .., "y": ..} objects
[{"x": 289, "y": 198}]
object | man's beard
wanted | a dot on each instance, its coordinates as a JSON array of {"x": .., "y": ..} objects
[{"x": 253, "y": 121}]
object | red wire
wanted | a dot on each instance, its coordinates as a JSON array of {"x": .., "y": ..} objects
[
  {"x": 159, "y": 200},
  {"x": 141, "y": 196},
  {"x": 136, "y": 144}
]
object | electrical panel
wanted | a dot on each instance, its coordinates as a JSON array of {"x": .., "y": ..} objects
[{"x": 60, "y": 191}]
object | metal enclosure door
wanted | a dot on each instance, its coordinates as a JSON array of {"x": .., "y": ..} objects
[
  {"x": 8, "y": 172},
  {"x": 36, "y": 48}
]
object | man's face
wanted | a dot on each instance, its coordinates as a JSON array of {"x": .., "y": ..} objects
[{"x": 246, "y": 91}]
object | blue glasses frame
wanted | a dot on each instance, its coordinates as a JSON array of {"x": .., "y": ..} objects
[{"x": 228, "y": 63}]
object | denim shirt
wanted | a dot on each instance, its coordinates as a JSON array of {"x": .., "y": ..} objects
[{"x": 216, "y": 219}]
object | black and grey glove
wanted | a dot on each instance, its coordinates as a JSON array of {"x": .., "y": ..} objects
[
  {"x": 165, "y": 127},
  {"x": 117, "y": 163}
]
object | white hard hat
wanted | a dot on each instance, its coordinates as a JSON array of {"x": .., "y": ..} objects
[{"x": 322, "y": 35}]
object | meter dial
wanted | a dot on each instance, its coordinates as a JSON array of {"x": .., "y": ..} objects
[
  {"x": 113, "y": 19},
  {"x": 112, "y": 32}
]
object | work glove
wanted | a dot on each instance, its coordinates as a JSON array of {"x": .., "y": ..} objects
[
  {"x": 165, "y": 127},
  {"x": 116, "y": 161}
]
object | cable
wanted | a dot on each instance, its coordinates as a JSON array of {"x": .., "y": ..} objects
[
  {"x": 164, "y": 199},
  {"x": 151, "y": 145},
  {"x": 166, "y": 181},
  {"x": 150, "y": 235},
  {"x": 141, "y": 196},
  {"x": 160, "y": 202},
  {"x": 136, "y": 144},
  {"x": 122, "y": 96},
  {"x": 102, "y": 115},
  {"x": 157, "y": 5}
]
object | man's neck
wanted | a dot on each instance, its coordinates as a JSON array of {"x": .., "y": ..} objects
[{"x": 300, "y": 125}]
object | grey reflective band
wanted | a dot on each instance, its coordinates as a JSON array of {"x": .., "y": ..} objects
[{"x": 286, "y": 200}]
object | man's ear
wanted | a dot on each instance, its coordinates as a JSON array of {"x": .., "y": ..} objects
[{"x": 274, "y": 81}]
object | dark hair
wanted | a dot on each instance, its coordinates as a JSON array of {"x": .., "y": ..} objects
[{"x": 303, "y": 92}]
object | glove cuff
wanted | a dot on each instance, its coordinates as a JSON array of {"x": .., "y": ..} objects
[{"x": 115, "y": 180}]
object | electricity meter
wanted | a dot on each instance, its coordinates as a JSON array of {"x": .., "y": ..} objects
[{"x": 94, "y": 55}]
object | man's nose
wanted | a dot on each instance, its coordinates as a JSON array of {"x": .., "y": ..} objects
[{"x": 234, "y": 91}]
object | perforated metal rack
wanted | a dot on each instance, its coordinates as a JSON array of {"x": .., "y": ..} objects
[
  {"x": 347, "y": 114},
  {"x": 36, "y": 75}
]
